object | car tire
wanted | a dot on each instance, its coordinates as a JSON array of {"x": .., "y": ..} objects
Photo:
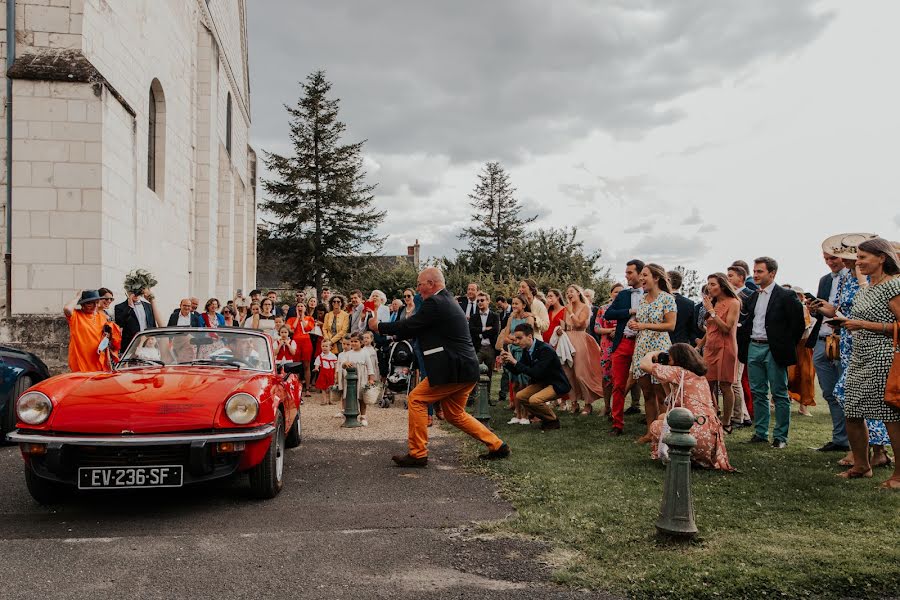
[
  {"x": 22, "y": 383},
  {"x": 43, "y": 490},
  {"x": 267, "y": 478},
  {"x": 295, "y": 434}
]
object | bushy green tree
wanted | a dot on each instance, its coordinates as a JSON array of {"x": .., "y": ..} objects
[
  {"x": 321, "y": 208},
  {"x": 497, "y": 222}
]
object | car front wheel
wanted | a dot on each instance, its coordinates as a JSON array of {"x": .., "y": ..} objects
[{"x": 267, "y": 478}]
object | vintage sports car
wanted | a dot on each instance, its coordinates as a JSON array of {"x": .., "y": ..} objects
[
  {"x": 19, "y": 370},
  {"x": 183, "y": 405}
]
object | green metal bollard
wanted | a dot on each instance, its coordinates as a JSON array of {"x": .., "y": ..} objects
[
  {"x": 483, "y": 406},
  {"x": 351, "y": 400},
  {"x": 676, "y": 513}
]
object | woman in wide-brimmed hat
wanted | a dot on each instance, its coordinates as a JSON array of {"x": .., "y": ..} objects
[
  {"x": 88, "y": 328},
  {"x": 846, "y": 247}
]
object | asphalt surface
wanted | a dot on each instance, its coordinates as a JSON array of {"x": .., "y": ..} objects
[{"x": 347, "y": 525}]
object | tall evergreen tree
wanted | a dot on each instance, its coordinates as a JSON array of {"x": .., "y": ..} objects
[
  {"x": 323, "y": 209},
  {"x": 497, "y": 221}
]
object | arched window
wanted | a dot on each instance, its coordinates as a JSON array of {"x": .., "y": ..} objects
[
  {"x": 228, "y": 123},
  {"x": 156, "y": 138}
]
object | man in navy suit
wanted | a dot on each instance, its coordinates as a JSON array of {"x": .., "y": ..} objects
[
  {"x": 772, "y": 325},
  {"x": 685, "y": 329},
  {"x": 829, "y": 371},
  {"x": 442, "y": 330},
  {"x": 547, "y": 380},
  {"x": 622, "y": 310},
  {"x": 469, "y": 302}
]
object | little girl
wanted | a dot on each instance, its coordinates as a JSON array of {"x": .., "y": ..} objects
[
  {"x": 148, "y": 349},
  {"x": 285, "y": 347},
  {"x": 326, "y": 363},
  {"x": 366, "y": 371}
]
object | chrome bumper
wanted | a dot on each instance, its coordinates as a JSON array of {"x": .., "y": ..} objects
[{"x": 250, "y": 435}]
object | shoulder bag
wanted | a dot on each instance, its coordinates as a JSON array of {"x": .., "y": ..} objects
[{"x": 892, "y": 387}]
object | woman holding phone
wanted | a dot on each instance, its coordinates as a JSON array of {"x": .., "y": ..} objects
[{"x": 849, "y": 285}]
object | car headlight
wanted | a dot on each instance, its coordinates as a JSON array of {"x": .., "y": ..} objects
[
  {"x": 242, "y": 408},
  {"x": 33, "y": 408}
]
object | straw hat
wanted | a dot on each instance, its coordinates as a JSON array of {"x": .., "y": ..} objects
[{"x": 843, "y": 245}]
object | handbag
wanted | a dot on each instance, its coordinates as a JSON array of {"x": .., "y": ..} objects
[
  {"x": 892, "y": 387},
  {"x": 833, "y": 346},
  {"x": 676, "y": 398}
]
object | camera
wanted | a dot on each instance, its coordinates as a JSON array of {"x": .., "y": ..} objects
[{"x": 662, "y": 358}]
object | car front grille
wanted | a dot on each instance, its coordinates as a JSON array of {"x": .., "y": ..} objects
[{"x": 111, "y": 456}]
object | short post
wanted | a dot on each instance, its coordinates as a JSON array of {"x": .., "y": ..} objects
[
  {"x": 676, "y": 513},
  {"x": 483, "y": 404},
  {"x": 351, "y": 399}
]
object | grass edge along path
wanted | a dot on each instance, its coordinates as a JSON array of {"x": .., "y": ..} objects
[{"x": 784, "y": 527}]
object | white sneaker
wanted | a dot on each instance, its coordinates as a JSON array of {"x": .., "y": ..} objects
[
  {"x": 339, "y": 415},
  {"x": 513, "y": 421},
  {"x": 364, "y": 421},
  {"x": 524, "y": 421}
]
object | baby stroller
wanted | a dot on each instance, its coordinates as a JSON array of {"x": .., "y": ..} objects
[{"x": 401, "y": 360}]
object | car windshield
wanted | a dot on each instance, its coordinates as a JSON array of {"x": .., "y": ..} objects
[{"x": 231, "y": 349}]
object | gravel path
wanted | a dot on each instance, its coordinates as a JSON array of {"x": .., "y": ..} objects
[{"x": 385, "y": 424}]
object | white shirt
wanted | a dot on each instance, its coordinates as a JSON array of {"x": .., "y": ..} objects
[
  {"x": 184, "y": 320},
  {"x": 759, "y": 313},
  {"x": 140, "y": 313},
  {"x": 637, "y": 294},
  {"x": 484, "y": 318},
  {"x": 470, "y": 307},
  {"x": 826, "y": 329}
]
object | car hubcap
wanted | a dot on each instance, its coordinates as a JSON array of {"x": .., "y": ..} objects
[{"x": 279, "y": 455}]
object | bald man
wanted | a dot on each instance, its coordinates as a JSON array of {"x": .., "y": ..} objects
[
  {"x": 443, "y": 333},
  {"x": 184, "y": 316}
]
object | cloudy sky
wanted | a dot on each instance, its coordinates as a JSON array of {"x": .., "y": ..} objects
[{"x": 690, "y": 132}]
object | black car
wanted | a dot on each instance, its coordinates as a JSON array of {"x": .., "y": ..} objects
[{"x": 19, "y": 370}]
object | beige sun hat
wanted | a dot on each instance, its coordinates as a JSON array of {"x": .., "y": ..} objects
[{"x": 844, "y": 245}]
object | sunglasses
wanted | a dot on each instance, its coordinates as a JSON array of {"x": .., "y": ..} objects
[{"x": 407, "y": 296}]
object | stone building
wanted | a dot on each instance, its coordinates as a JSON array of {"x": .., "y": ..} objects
[{"x": 130, "y": 128}]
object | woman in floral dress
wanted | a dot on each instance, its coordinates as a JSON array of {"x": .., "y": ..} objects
[
  {"x": 605, "y": 330},
  {"x": 686, "y": 364},
  {"x": 654, "y": 320},
  {"x": 849, "y": 284}
]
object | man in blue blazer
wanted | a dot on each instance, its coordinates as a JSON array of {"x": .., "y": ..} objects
[
  {"x": 545, "y": 373},
  {"x": 829, "y": 371},
  {"x": 623, "y": 308}
]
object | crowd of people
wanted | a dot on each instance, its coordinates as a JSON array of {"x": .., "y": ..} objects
[{"x": 757, "y": 344}]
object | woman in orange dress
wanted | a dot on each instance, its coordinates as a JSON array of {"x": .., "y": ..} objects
[
  {"x": 687, "y": 367},
  {"x": 302, "y": 325},
  {"x": 720, "y": 342},
  {"x": 556, "y": 309},
  {"x": 584, "y": 374}
]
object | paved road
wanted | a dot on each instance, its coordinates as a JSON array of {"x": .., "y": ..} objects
[{"x": 347, "y": 525}]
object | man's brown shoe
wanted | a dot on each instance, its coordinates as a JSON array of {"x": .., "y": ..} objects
[
  {"x": 411, "y": 462},
  {"x": 501, "y": 452}
]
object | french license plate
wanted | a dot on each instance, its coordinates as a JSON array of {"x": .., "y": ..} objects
[{"x": 117, "y": 478}]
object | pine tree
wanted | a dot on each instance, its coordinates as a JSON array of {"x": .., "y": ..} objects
[
  {"x": 497, "y": 221},
  {"x": 323, "y": 209}
]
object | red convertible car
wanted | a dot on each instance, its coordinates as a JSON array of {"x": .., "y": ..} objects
[{"x": 183, "y": 405}]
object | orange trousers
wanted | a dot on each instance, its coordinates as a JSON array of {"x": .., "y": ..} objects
[{"x": 452, "y": 398}]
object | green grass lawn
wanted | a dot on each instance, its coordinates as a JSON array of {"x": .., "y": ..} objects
[{"x": 784, "y": 527}]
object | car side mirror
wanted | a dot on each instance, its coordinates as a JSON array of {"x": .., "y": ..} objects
[{"x": 294, "y": 368}]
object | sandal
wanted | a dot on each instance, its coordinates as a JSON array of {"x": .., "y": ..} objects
[
  {"x": 729, "y": 430},
  {"x": 889, "y": 462},
  {"x": 644, "y": 439},
  {"x": 588, "y": 410},
  {"x": 890, "y": 484},
  {"x": 576, "y": 408},
  {"x": 851, "y": 474}
]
